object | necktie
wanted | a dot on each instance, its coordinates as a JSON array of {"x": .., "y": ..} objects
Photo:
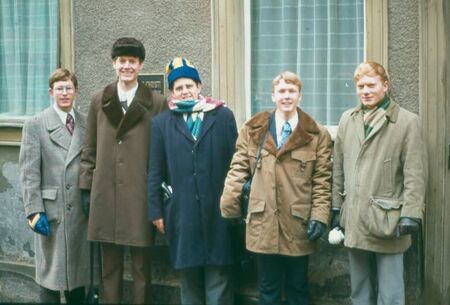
[
  {"x": 124, "y": 105},
  {"x": 285, "y": 132},
  {"x": 70, "y": 123}
]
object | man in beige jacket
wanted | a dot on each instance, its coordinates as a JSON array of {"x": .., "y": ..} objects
[
  {"x": 379, "y": 179},
  {"x": 290, "y": 195}
]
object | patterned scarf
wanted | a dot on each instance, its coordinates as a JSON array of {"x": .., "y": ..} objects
[
  {"x": 195, "y": 110},
  {"x": 375, "y": 116}
]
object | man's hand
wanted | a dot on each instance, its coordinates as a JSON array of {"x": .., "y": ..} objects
[
  {"x": 335, "y": 217},
  {"x": 159, "y": 224},
  {"x": 86, "y": 201},
  {"x": 38, "y": 223},
  {"x": 315, "y": 229},
  {"x": 407, "y": 225}
]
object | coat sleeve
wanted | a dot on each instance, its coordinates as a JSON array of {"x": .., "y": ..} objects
[
  {"x": 338, "y": 190},
  {"x": 231, "y": 134},
  {"x": 89, "y": 152},
  {"x": 237, "y": 175},
  {"x": 415, "y": 171},
  {"x": 157, "y": 172},
  {"x": 30, "y": 168},
  {"x": 321, "y": 179}
]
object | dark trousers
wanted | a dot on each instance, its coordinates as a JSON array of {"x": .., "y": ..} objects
[
  {"x": 273, "y": 270},
  {"x": 112, "y": 273},
  {"x": 75, "y": 296}
]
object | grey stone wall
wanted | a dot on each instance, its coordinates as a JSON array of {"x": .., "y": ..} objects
[
  {"x": 403, "y": 63},
  {"x": 166, "y": 28}
]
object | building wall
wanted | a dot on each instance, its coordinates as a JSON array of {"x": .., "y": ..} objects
[
  {"x": 183, "y": 28},
  {"x": 166, "y": 28},
  {"x": 403, "y": 63}
]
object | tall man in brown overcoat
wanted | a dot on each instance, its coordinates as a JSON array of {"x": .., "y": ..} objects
[{"x": 113, "y": 175}]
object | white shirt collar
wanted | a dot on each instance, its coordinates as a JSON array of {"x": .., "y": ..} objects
[
  {"x": 63, "y": 115},
  {"x": 126, "y": 95},
  {"x": 279, "y": 122}
]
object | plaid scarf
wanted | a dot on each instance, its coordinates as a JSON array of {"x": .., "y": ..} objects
[
  {"x": 375, "y": 116},
  {"x": 195, "y": 110}
]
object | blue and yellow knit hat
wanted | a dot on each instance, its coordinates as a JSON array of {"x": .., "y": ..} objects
[{"x": 180, "y": 67}]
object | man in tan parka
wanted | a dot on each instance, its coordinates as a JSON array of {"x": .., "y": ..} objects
[
  {"x": 290, "y": 194},
  {"x": 379, "y": 178}
]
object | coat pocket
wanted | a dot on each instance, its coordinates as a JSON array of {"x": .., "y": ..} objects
[
  {"x": 383, "y": 216},
  {"x": 50, "y": 204},
  {"x": 304, "y": 163},
  {"x": 254, "y": 220}
]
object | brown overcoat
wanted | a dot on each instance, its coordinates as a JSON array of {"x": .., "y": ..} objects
[
  {"x": 114, "y": 166},
  {"x": 290, "y": 186},
  {"x": 379, "y": 178}
]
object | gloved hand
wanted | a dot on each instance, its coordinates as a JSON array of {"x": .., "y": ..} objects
[
  {"x": 407, "y": 225},
  {"x": 38, "y": 223},
  {"x": 86, "y": 201},
  {"x": 335, "y": 217},
  {"x": 315, "y": 229}
]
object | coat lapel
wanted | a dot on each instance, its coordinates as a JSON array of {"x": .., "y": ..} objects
[
  {"x": 180, "y": 125},
  {"x": 57, "y": 131},
  {"x": 141, "y": 103},
  {"x": 77, "y": 138},
  {"x": 111, "y": 105},
  {"x": 208, "y": 121},
  {"x": 301, "y": 134}
]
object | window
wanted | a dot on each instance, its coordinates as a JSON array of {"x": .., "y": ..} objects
[
  {"x": 322, "y": 41},
  {"x": 29, "y": 44}
]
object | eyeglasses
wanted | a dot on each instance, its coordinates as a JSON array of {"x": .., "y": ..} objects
[{"x": 68, "y": 89}]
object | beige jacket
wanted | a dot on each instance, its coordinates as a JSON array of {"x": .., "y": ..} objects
[
  {"x": 290, "y": 185},
  {"x": 379, "y": 178}
]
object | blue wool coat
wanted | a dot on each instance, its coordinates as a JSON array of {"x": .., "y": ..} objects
[{"x": 196, "y": 170}]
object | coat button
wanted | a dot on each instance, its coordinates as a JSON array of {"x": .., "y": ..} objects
[
  {"x": 68, "y": 186},
  {"x": 69, "y": 207},
  {"x": 119, "y": 141}
]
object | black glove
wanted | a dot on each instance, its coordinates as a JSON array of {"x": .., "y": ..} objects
[
  {"x": 86, "y": 201},
  {"x": 335, "y": 217},
  {"x": 315, "y": 229},
  {"x": 407, "y": 225}
]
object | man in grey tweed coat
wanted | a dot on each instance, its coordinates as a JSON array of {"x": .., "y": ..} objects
[{"x": 49, "y": 169}]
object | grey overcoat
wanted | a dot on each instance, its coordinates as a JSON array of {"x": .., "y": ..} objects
[
  {"x": 49, "y": 170},
  {"x": 378, "y": 179}
]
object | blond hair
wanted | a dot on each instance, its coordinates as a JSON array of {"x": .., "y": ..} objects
[
  {"x": 289, "y": 77},
  {"x": 370, "y": 68}
]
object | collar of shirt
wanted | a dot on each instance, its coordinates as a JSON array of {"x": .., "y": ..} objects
[
  {"x": 127, "y": 95},
  {"x": 279, "y": 122},
  {"x": 63, "y": 115}
]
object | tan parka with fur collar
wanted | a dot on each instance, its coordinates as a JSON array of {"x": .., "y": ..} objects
[{"x": 290, "y": 185}]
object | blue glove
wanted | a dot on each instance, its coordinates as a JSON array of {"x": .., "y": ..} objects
[
  {"x": 85, "y": 201},
  {"x": 315, "y": 229},
  {"x": 38, "y": 223}
]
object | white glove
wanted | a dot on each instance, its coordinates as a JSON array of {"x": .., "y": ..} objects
[{"x": 336, "y": 236}]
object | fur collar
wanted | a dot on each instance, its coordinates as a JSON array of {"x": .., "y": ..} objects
[
  {"x": 301, "y": 135},
  {"x": 142, "y": 102}
]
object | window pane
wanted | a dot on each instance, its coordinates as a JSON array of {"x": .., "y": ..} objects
[
  {"x": 322, "y": 41},
  {"x": 28, "y": 54}
]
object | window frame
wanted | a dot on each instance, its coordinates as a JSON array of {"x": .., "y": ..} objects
[
  {"x": 11, "y": 128},
  {"x": 231, "y": 49}
]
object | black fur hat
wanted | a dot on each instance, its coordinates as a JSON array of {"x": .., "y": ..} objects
[{"x": 128, "y": 46}]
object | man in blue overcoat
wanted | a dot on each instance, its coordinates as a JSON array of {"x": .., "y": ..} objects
[{"x": 191, "y": 149}]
